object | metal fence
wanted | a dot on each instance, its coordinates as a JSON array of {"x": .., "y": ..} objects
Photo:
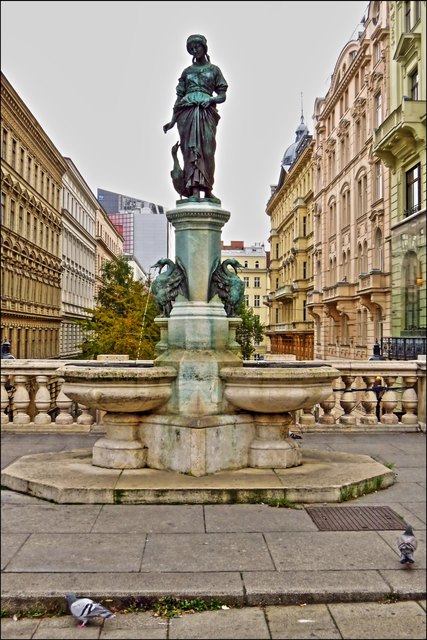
[{"x": 403, "y": 348}]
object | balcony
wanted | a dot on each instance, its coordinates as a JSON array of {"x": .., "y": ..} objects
[
  {"x": 372, "y": 396},
  {"x": 284, "y": 293},
  {"x": 401, "y": 133},
  {"x": 338, "y": 291},
  {"x": 375, "y": 280}
]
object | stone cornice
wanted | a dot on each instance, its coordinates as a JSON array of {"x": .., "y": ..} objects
[{"x": 15, "y": 110}]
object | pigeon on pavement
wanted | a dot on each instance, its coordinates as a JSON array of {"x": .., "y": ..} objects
[
  {"x": 294, "y": 435},
  {"x": 407, "y": 543},
  {"x": 84, "y": 608}
]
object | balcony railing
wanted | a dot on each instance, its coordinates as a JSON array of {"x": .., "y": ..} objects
[
  {"x": 403, "y": 348},
  {"x": 368, "y": 395}
]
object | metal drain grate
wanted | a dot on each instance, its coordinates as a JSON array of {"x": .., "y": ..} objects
[{"x": 355, "y": 518}]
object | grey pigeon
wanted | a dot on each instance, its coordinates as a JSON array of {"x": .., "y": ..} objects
[
  {"x": 84, "y": 608},
  {"x": 407, "y": 543}
]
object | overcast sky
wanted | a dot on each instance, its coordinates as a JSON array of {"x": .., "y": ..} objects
[{"x": 100, "y": 78}]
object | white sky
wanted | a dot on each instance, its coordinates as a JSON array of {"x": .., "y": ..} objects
[{"x": 100, "y": 78}]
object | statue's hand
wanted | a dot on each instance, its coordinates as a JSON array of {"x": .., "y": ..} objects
[
  {"x": 167, "y": 126},
  {"x": 206, "y": 103}
]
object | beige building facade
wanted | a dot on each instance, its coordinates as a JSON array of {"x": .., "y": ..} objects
[
  {"x": 31, "y": 183},
  {"x": 351, "y": 299},
  {"x": 400, "y": 142}
]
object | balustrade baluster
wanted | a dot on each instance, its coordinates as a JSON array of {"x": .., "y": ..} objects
[
  {"x": 21, "y": 400},
  {"x": 369, "y": 401},
  {"x": 327, "y": 406},
  {"x": 307, "y": 417},
  {"x": 63, "y": 403},
  {"x": 85, "y": 418},
  {"x": 42, "y": 402},
  {"x": 409, "y": 400},
  {"x": 4, "y": 401},
  {"x": 389, "y": 402},
  {"x": 348, "y": 401}
]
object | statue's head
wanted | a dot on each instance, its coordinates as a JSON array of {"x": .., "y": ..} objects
[{"x": 197, "y": 37}]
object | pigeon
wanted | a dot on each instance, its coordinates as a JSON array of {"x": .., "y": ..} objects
[
  {"x": 84, "y": 608},
  {"x": 294, "y": 436},
  {"x": 407, "y": 543}
]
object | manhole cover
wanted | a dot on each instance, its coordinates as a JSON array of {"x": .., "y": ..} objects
[{"x": 355, "y": 518}]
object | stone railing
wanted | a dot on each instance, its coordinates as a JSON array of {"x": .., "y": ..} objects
[
  {"x": 368, "y": 396},
  {"x": 372, "y": 396}
]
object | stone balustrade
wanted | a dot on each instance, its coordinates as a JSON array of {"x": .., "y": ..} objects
[{"x": 369, "y": 395}]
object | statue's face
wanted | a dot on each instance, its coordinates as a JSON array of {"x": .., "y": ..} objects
[{"x": 196, "y": 49}]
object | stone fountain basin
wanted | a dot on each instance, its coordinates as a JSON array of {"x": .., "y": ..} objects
[
  {"x": 277, "y": 387},
  {"x": 124, "y": 388}
]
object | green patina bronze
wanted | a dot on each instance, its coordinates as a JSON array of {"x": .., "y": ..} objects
[
  {"x": 169, "y": 284},
  {"x": 227, "y": 285},
  {"x": 200, "y": 88}
]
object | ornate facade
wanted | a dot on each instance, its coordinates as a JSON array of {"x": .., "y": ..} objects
[
  {"x": 78, "y": 244},
  {"x": 290, "y": 209},
  {"x": 351, "y": 298},
  {"x": 400, "y": 142},
  {"x": 31, "y": 182}
]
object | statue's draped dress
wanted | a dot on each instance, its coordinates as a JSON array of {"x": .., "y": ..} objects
[{"x": 197, "y": 125}]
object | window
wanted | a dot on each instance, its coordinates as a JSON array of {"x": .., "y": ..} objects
[
  {"x": 257, "y": 282},
  {"x": 257, "y": 264},
  {"x": 378, "y": 181},
  {"x": 417, "y": 12},
  {"x": 304, "y": 226},
  {"x": 14, "y": 154},
  {"x": 3, "y": 207},
  {"x": 4, "y": 144},
  {"x": 413, "y": 190},
  {"x": 246, "y": 281},
  {"x": 277, "y": 283},
  {"x": 246, "y": 301},
  {"x": 411, "y": 291},
  {"x": 408, "y": 16},
  {"x": 304, "y": 270},
  {"x": 345, "y": 207},
  {"x": 257, "y": 301},
  {"x": 378, "y": 110},
  {"x": 413, "y": 85},
  {"x": 378, "y": 250},
  {"x": 12, "y": 215}
]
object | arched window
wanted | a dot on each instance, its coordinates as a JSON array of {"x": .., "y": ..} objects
[
  {"x": 411, "y": 291},
  {"x": 378, "y": 254}
]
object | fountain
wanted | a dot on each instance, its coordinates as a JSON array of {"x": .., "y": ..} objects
[{"x": 197, "y": 410}]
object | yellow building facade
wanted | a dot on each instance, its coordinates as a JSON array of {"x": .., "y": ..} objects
[
  {"x": 31, "y": 177},
  {"x": 290, "y": 209},
  {"x": 254, "y": 260}
]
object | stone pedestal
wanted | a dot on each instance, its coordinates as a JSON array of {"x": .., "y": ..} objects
[
  {"x": 197, "y": 445},
  {"x": 121, "y": 448},
  {"x": 272, "y": 447}
]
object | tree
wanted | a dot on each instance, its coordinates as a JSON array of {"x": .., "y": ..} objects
[
  {"x": 249, "y": 331},
  {"x": 122, "y": 321}
]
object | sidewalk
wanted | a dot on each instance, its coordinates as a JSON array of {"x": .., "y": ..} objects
[{"x": 244, "y": 555}]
